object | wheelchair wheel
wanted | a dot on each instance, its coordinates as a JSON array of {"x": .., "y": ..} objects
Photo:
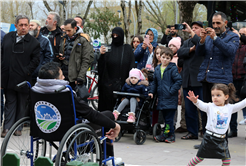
[
  {"x": 156, "y": 130},
  {"x": 21, "y": 145},
  {"x": 139, "y": 137},
  {"x": 94, "y": 94},
  {"x": 79, "y": 143}
]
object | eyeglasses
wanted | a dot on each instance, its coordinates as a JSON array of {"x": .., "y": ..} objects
[
  {"x": 18, "y": 52},
  {"x": 136, "y": 41}
]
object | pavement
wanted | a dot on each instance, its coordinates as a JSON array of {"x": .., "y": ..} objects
[{"x": 152, "y": 153}]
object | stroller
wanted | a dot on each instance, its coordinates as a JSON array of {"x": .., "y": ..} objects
[{"x": 141, "y": 127}]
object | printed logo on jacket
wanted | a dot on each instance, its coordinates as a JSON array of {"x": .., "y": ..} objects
[{"x": 47, "y": 116}]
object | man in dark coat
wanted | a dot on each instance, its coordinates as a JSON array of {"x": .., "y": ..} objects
[
  {"x": 191, "y": 64},
  {"x": 1, "y": 91},
  {"x": 169, "y": 34},
  {"x": 20, "y": 57}
]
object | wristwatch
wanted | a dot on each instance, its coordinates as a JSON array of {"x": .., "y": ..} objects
[{"x": 215, "y": 37}]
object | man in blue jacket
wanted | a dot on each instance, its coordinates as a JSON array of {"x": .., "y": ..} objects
[
  {"x": 218, "y": 45},
  {"x": 1, "y": 91},
  {"x": 46, "y": 52}
]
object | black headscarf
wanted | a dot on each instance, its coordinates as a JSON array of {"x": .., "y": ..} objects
[{"x": 118, "y": 41}]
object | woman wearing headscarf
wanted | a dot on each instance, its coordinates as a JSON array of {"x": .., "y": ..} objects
[
  {"x": 144, "y": 51},
  {"x": 113, "y": 69}
]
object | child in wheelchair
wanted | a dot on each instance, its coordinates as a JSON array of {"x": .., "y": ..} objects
[{"x": 136, "y": 83}]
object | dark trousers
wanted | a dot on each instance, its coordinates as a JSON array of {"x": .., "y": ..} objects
[
  {"x": 15, "y": 107},
  {"x": 168, "y": 115},
  {"x": 233, "y": 124},
  {"x": 2, "y": 106},
  {"x": 206, "y": 89},
  {"x": 191, "y": 114}
]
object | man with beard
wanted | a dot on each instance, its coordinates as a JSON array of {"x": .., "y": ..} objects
[
  {"x": 76, "y": 53},
  {"x": 238, "y": 72},
  {"x": 46, "y": 52},
  {"x": 19, "y": 58},
  {"x": 169, "y": 34},
  {"x": 53, "y": 31},
  {"x": 218, "y": 45}
]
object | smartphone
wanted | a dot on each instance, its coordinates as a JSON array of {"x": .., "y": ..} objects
[
  {"x": 205, "y": 24},
  {"x": 169, "y": 26},
  {"x": 229, "y": 25},
  {"x": 58, "y": 54},
  {"x": 179, "y": 26},
  {"x": 146, "y": 39}
]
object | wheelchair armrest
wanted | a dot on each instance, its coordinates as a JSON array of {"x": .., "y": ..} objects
[
  {"x": 24, "y": 83},
  {"x": 116, "y": 93},
  {"x": 60, "y": 89}
]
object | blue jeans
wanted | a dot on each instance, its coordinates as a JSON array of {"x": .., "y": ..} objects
[
  {"x": 233, "y": 124},
  {"x": 168, "y": 115},
  {"x": 191, "y": 114},
  {"x": 2, "y": 106}
]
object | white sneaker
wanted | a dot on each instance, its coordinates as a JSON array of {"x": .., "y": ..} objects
[
  {"x": 116, "y": 161},
  {"x": 242, "y": 122}
]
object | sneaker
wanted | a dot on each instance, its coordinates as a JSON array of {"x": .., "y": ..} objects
[
  {"x": 160, "y": 138},
  {"x": 116, "y": 114},
  {"x": 117, "y": 161},
  {"x": 242, "y": 122},
  {"x": 131, "y": 118},
  {"x": 170, "y": 139}
]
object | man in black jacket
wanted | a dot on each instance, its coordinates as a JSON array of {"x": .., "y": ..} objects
[
  {"x": 53, "y": 31},
  {"x": 20, "y": 57},
  {"x": 169, "y": 34},
  {"x": 191, "y": 64}
]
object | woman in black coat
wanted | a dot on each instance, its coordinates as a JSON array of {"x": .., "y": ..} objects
[{"x": 113, "y": 69}]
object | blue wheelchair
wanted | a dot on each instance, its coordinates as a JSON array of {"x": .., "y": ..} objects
[{"x": 53, "y": 122}]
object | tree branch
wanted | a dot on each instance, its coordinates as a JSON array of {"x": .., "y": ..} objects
[
  {"x": 87, "y": 9},
  {"x": 150, "y": 12},
  {"x": 47, "y": 5}
]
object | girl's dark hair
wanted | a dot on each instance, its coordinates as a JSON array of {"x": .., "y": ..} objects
[
  {"x": 145, "y": 73},
  {"x": 155, "y": 60},
  {"x": 227, "y": 90},
  {"x": 139, "y": 37}
]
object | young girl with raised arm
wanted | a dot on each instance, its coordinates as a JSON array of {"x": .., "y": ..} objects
[{"x": 214, "y": 143}]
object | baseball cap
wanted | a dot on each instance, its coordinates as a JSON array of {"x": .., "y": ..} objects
[{"x": 198, "y": 23}]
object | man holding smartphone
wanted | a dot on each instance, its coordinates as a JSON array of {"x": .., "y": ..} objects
[{"x": 169, "y": 34}]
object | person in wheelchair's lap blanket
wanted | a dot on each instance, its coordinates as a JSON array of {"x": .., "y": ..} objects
[
  {"x": 135, "y": 83},
  {"x": 51, "y": 78}
]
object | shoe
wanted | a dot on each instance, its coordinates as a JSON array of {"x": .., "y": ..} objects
[
  {"x": 4, "y": 132},
  {"x": 117, "y": 161},
  {"x": 196, "y": 146},
  {"x": 232, "y": 134},
  {"x": 17, "y": 133},
  {"x": 181, "y": 130},
  {"x": 160, "y": 138},
  {"x": 189, "y": 136},
  {"x": 170, "y": 139},
  {"x": 131, "y": 118},
  {"x": 116, "y": 114},
  {"x": 242, "y": 122}
]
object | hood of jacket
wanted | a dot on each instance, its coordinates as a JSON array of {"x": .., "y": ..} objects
[
  {"x": 140, "y": 82},
  {"x": 79, "y": 30},
  {"x": 155, "y": 34},
  {"x": 118, "y": 41},
  {"x": 49, "y": 85}
]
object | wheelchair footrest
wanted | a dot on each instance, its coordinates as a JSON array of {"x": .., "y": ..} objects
[{"x": 11, "y": 159}]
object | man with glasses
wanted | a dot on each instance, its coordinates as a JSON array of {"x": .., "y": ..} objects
[
  {"x": 20, "y": 57},
  {"x": 169, "y": 34}
]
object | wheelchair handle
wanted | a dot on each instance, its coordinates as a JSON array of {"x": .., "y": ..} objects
[
  {"x": 22, "y": 84},
  {"x": 60, "y": 89}
]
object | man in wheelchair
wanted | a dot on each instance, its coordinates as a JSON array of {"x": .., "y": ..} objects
[{"x": 51, "y": 78}]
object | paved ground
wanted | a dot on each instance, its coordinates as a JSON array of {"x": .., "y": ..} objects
[{"x": 178, "y": 153}]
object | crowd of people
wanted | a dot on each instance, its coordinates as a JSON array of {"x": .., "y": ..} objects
[{"x": 209, "y": 67}]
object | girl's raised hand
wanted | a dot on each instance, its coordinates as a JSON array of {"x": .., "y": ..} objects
[{"x": 192, "y": 96}]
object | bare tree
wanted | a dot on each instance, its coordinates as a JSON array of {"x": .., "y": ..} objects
[
  {"x": 138, "y": 8},
  {"x": 87, "y": 9},
  {"x": 126, "y": 19},
  {"x": 30, "y": 4}
]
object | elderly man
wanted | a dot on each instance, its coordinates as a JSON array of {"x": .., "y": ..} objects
[
  {"x": 20, "y": 57},
  {"x": 46, "y": 53},
  {"x": 218, "y": 46},
  {"x": 191, "y": 64},
  {"x": 53, "y": 31},
  {"x": 169, "y": 34}
]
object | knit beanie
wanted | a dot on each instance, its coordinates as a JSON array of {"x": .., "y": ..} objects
[
  {"x": 36, "y": 21},
  {"x": 176, "y": 41},
  {"x": 136, "y": 73}
]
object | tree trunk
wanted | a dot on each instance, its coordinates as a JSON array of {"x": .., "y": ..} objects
[
  {"x": 47, "y": 5},
  {"x": 139, "y": 14},
  {"x": 186, "y": 13},
  {"x": 30, "y": 4},
  {"x": 87, "y": 9},
  {"x": 126, "y": 20}
]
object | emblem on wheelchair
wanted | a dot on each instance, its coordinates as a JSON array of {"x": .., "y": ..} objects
[{"x": 47, "y": 116}]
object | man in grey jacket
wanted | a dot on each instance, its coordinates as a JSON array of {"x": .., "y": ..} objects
[{"x": 76, "y": 53}]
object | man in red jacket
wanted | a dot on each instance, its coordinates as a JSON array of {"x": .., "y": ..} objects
[{"x": 20, "y": 57}]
